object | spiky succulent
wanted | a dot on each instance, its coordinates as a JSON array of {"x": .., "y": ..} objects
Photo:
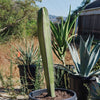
[
  {"x": 27, "y": 54},
  {"x": 87, "y": 59},
  {"x": 61, "y": 34}
]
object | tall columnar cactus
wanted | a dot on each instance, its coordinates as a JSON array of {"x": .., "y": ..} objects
[{"x": 44, "y": 36}]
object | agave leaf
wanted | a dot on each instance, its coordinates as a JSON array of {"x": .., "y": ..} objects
[
  {"x": 55, "y": 46},
  {"x": 73, "y": 22},
  {"x": 54, "y": 30},
  {"x": 64, "y": 49},
  {"x": 75, "y": 57},
  {"x": 59, "y": 52},
  {"x": 94, "y": 57},
  {"x": 32, "y": 47},
  {"x": 56, "y": 54},
  {"x": 21, "y": 60},
  {"x": 73, "y": 35},
  {"x": 59, "y": 30},
  {"x": 55, "y": 49},
  {"x": 70, "y": 38},
  {"x": 89, "y": 43},
  {"x": 97, "y": 72},
  {"x": 76, "y": 54},
  {"x": 35, "y": 52},
  {"x": 21, "y": 51},
  {"x": 61, "y": 33},
  {"x": 67, "y": 69},
  {"x": 66, "y": 27},
  {"x": 84, "y": 57}
]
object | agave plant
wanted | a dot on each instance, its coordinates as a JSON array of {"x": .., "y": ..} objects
[
  {"x": 88, "y": 58},
  {"x": 61, "y": 35}
]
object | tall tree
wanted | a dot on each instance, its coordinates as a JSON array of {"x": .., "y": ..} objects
[{"x": 17, "y": 15}]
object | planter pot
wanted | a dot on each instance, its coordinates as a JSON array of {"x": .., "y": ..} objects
[
  {"x": 76, "y": 83},
  {"x": 32, "y": 95},
  {"x": 27, "y": 74}
]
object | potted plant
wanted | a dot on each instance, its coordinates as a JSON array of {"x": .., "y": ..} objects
[
  {"x": 28, "y": 61},
  {"x": 84, "y": 64},
  {"x": 46, "y": 53}
]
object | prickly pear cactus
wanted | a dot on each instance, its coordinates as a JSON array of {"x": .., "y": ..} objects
[{"x": 44, "y": 36}]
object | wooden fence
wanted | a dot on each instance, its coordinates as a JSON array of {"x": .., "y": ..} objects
[{"x": 89, "y": 24}]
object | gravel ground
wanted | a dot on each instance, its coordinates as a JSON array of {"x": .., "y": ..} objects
[{"x": 6, "y": 96}]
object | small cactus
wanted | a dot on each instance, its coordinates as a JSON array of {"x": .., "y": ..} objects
[{"x": 44, "y": 36}]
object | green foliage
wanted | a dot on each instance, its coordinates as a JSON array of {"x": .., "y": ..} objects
[
  {"x": 95, "y": 91},
  {"x": 17, "y": 17},
  {"x": 2, "y": 79},
  {"x": 38, "y": 82},
  {"x": 61, "y": 35},
  {"x": 7, "y": 82},
  {"x": 97, "y": 66},
  {"x": 88, "y": 58},
  {"x": 46, "y": 49},
  {"x": 27, "y": 55}
]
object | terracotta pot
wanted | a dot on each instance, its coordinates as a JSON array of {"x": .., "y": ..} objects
[{"x": 33, "y": 94}]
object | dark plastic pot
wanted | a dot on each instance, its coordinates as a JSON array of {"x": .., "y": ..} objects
[
  {"x": 76, "y": 83},
  {"x": 27, "y": 74},
  {"x": 33, "y": 94}
]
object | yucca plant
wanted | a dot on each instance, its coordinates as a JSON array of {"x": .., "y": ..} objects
[
  {"x": 28, "y": 60},
  {"x": 27, "y": 54},
  {"x": 87, "y": 59},
  {"x": 61, "y": 34}
]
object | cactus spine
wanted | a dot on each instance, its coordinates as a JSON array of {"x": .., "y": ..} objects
[{"x": 44, "y": 36}]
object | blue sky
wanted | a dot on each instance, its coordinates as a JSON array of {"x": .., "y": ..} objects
[{"x": 59, "y": 7}]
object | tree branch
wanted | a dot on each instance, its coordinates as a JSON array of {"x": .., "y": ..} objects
[{"x": 10, "y": 25}]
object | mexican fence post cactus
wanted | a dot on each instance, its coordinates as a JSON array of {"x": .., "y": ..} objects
[{"x": 44, "y": 36}]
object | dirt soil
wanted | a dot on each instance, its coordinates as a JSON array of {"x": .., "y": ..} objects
[{"x": 60, "y": 95}]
